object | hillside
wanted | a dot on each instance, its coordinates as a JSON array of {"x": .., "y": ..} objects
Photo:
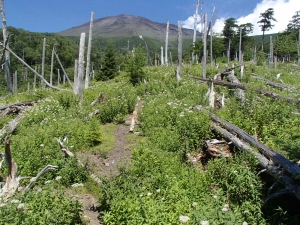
[{"x": 127, "y": 25}]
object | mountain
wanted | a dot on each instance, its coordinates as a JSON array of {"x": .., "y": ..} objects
[{"x": 127, "y": 25}]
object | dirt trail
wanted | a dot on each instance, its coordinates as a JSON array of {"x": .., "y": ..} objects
[{"x": 108, "y": 167}]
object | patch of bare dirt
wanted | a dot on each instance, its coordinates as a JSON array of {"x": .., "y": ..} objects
[{"x": 108, "y": 167}]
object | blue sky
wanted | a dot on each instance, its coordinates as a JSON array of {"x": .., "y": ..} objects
[{"x": 58, "y": 15}]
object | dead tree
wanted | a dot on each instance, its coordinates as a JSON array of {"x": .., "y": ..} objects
[
  {"x": 166, "y": 43},
  {"x": 43, "y": 61},
  {"x": 88, "y": 57},
  {"x": 195, "y": 29},
  {"x": 162, "y": 55},
  {"x": 81, "y": 67},
  {"x": 178, "y": 72},
  {"x": 204, "y": 33},
  {"x": 100, "y": 98},
  {"x": 52, "y": 61},
  {"x": 5, "y": 45},
  {"x": 13, "y": 180}
]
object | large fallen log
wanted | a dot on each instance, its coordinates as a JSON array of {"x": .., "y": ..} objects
[
  {"x": 219, "y": 76},
  {"x": 243, "y": 87},
  {"x": 269, "y": 165},
  {"x": 270, "y": 154},
  {"x": 276, "y": 96},
  {"x": 26, "y": 103},
  {"x": 273, "y": 84}
]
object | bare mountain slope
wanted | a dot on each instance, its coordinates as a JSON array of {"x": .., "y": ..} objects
[{"x": 126, "y": 25}]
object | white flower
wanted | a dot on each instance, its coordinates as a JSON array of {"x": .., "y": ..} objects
[
  {"x": 215, "y": 197},
  {"x": 42, "y": 145},
  {"x": 47, "y": 182},
  {"x": 15, "y": 201},
  {"x": 158, "y": 191},
  {"x": 194, "y": 204},
  {"x": 21, "y": 206},
  {"x": 204, "y": 222},
  {"x": 244, "y": 223},
  {"x": 163, "y": 199},
  {"x": 58, "y": 178},
  {"x": 141, "y": 195},
  {"x": 77, "y": 185},
  {"x": 149, "y": 194},
  {"x": 2, "y": 205},
  {"x": 143, "y": 188},
  {"x": 246, "y": 212},
  {"x": 225, "y": 209},
  {"x": 184, "y": 219}
]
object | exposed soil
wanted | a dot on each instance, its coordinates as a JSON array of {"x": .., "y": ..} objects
[{"x": 108, "y": 167}]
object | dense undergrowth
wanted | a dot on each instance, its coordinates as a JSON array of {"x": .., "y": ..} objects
[{"x": 160, "y": 186}]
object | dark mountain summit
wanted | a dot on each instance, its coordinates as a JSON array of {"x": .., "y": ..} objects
[{"x": 127, "y": 25}]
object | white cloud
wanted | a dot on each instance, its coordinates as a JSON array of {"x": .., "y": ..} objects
[
  {"x": 283, "y": 12},
  {"x": 189, "y": 23}
]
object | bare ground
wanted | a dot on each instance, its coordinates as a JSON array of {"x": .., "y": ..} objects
[{"x": 108, "y": 167}]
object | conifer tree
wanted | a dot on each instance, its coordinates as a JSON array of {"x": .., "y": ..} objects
[{"x": 109, "y": 65}]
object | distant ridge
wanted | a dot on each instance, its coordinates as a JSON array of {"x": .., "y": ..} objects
[{"x": 127, "y": 25}]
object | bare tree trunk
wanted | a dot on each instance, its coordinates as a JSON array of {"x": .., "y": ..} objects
[
  {"x": 51, "y": 71},
  {"x": 254, "y": 55},
  {"x": 271, "y": 50},
  {"x": 43, "y": 62},
  {"x": 178, "y": 73},
  {"x": 162, "y": 56},
  {"x": 58, "y": 77},
  {"x": 228, "y": 51},
  {"x": 81, "y": 66},
  {"x": 204, "y": 46},
  {"x": 34, "y": 80},
  {"x": 88, "y": 58},
  {"x": 195, "y": 29},
  {"x": 299, "y": 46},
  {"x": 166, "y": 43},
  {"x": 15, "y": 82},
  {"x": 75, "y": 88},
  {"x": 240, "y": 46},
  {"x": 6, "y": 53},
  {"x": 211, "y": 47}
]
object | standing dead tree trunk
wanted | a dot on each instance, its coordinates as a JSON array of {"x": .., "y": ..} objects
[
  {"x": 88, "y": 57},
  {"x": 6, "y": 53},
  {"x": 195, "y": 29},
  {"x": 178, "y": 72},
  {"x": 162, "y": 56},
  {"x": 43, "y": 62},
  {"x": 166, "y": 43},
  {"x": 204, "y": 37},
  {"x": 81, "y": 67}
]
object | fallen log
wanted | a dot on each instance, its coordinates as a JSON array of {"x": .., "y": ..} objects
[
  {"x": 100, "y": 98},
  {"x": 219, "y": 76},
  {"x": 240, "y": 92},
  {"x": 26, "y": 103},
  {"x": 134, "y": 115},
  {"x": 273, "y": 84},
  {"x": 270, "y": 154},
  {"x": 269, "y": 165},
  {"x": 243, "y": 87},
  {"x": 276, "y": 96}
]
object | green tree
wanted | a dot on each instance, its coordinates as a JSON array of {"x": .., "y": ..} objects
[
  {"x": 266, "y": 22},
  {"x": 135, "y": 66},
  {"x": 294, "y": 24},
  {"x": 285, "y": 46},
  {"x": 109, "y": 65},
  {"x": 229, "y": 31}
]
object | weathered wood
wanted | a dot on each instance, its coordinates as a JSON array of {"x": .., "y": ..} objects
[
  {"x": 204, "y": 41},
  {"x": 211, "y": 94},
  {"x": 273, "y": 84},
  {"x": 166, "y": 43},
  {"x": 100, "y": 98},
  {"x": 179, "y": 66},
  {"x": 162, "y": 62},
  {"x": 240, "y": 92},
  {"x": 277, "y": 158},
  {"x": 64, "y": 147},
  {"x": 269, "y": 165},
  {"x": 195, "y": 29},
  {"x": 43, "y": 61},
  {"x": 276, "y": 96},
  {"x": 6, "y": 53},
  {"x": 81, "y": 67},
  {"x": 26, "y": 103},
  {"x": 221, "y": 83},
  {"x": 11, "y": 126},
  {"x": 88, "y": 57},
  {"x": 219, "y": 76},
  {"x": 51, "y": 70}
]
